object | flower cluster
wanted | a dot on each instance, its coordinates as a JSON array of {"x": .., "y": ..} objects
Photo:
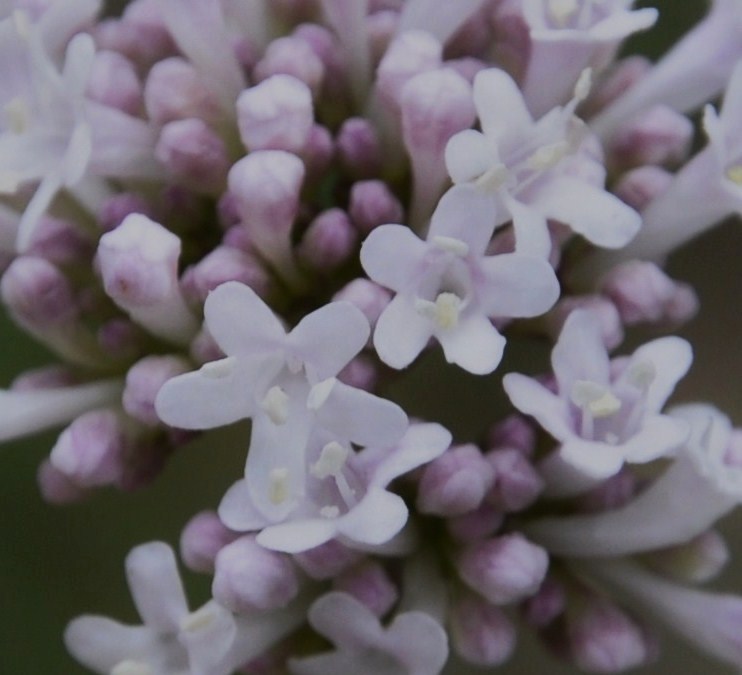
[{"x": 219, "y": 210}]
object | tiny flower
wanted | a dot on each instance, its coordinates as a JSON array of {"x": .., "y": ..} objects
[
  {"x": 600, "y": 419},
  {"x": 447, "y": 288},
  {"x": 481, "y": 633}
]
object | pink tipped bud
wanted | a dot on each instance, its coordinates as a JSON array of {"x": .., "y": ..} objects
[
  {"x": 174, "y": 90},
  {"x": 481, "y": 633},
  {"x": 359, "y": 148},
  {"x": 610, "y": 494},
  {"x": 698, "y": 561},
  {"x": 318, "y": 152},
  {"x": 56, "y": 487},
  {"x": 369, "y": 584},
  {"x": 362, "y": 373},
  {"x": 381, "y": 28},
  {"x": 640, "y": 186},
  {"x": 328, "y": 242},
  {"x": 603, "y": 639},
  {"x": 369, "y": 297},
  {"x": 118, "y": 206},
  {"x": 513, "y": 432},
  {"x": 138, "y": 262},
  {"x": 249, "y": 577},
  {"x": 144, "y": 44},
  {"x": 327, "y": 560},
  {"x": 475, "y": 525},
  {"x": 60, "y": 242},
  {"x": 372, "y": 204},
  {"x": 505, "y": 569},
  {"x": 37, "y": 293},
  {"x": 546, "y": 605},
  {"x": 114, "y": 83},
  {"x": 657, "y": 136},
  {"x": 194, "y": 154},
  {"x": 46, "y": 377},
  {"x": 517, "y": 483},
  {"x": 454, "y": 483},
  {"x": 91, "y": 450},
  {"x": 143, "y": 382},
  {"x": 121, "y": 337},
  {"x": 224, "y": 264},
  {"x": 642, "y": 292},
  {"x": 202, "y": 539},
  {"x": 276, "y": 114},
  {"x": 291, "y": 56},
  {"x": 603, "y": 309}
]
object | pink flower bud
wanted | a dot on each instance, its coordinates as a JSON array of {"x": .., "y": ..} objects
[
  {"x": 174, "y": 90},
  {"x": 56, "y": 487},
  {"x": 194, "y": 155},
  {"x": 454, "y": 483},
  {"x": 327, "y": 560},
  {"x": 291, "y": 56},
  {"x": 640, "y": 186},
  {"x": 143, "y": 382},
  {"x": 120, "y": 205},
  {"x": 517, "y": 483},
  {"x": 359, "y": 149},
  {"x": 276, "y": 114},
  {"x": 60, "y": 242},
  {"x": 202, "y": 539},
  {"x": 121, "y": 337},
  {"x": 91, "y": 450},
  {"x": 505, "y": 569},
  {"x": 481, "y": 633},
  {"x": 47, "y": 377},
  {"x": 475, "y": 525},
  {"x": 656, "y": 136},
  {"x": 249, "y": 577},
  {"x": 546, "y": 605},
  {"x": 144, "y": 43},
  {"x": 513, "y": 432},
  {"x": 641, "y": 291},
  {"x": 369, "y": 584},
  {"x": 368, "y": 296},
  {"x": 362, "y": 373},
  {"x": 114, "y": 83},
  {"x": 372, "y": 204},
  {"x": 223, "y": 264},
  {"x": 612, "y": 493},
  {"x": 317, "y": 153},
  {"x": 37, "y": 293},
  {"x": 603, "y": 309},
  {"x": 328, "y": 242}
]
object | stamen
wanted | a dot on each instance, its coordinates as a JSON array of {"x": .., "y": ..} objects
[
  {"x": 734, "y": 174},
  {"x": 494, "y": 178},
  {"x": 132, "y": 668},
  {"x": 451, "y": 245},
  {"x": 562, "y": 10},
  {"x": 584, "y": 84},
  {"x": 17, "y": 115},
  {"x": 548, "y": 156},
  {"x": 220, "y": 368},
  {"x": 331, "y": 460},
  {"x": 278, "y": 491},
  {"x": 276, "y": 405},
  {"x": 444, "y": 311},
  {"x": 605, "y": 406},
  {"x": 197, "y": 620}
]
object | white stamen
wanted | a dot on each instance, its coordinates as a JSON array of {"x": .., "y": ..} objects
[
  {"x": 276, "y": 405},
  {"x": 278, "y": 491},
  {"x": 734, "y": 174},
  {"x": 451, "y": 245},
  {"x": 129, "y": 667},
  {"x": 220, "y": 368},
  {"x": 444, "y": 311},
  {"x": 585, "y": 392},
  {"x": 17, "y": 115},
  {"x": 329, "y": 512},
  {"x": 584, "y": 84},
  {"x": 548, "y": 156},
  {"x": 319, "y": 393},
  {"x": 331, "y": 460},
  {"x": 494, "y": 178},
  {"x": 642, "y": 374},
  {"x": 562, "y": 10},
  {"x": 197, "y": 620},
  {"x": 605, "y": 406}
]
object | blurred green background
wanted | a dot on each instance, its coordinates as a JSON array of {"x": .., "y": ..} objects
[{"x": 56, "y": 563}]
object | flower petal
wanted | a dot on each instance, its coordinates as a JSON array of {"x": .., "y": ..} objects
[
  {"x": 499, "y": 102},
  {"x": 99, "y": 643},
  {"x": 658, "y": 437},
  {"x": 579, "y": 353},
  {"x": 419, "y": 641},
  {"x": 237, "y": 511},
  {"x": 348, "y": 623},
  {"x": 474, "y": 344},
  {"x": 375, "y": 519},
  {"x": 391, "y": 254},
  {"x": 467, "y": 214},
  {"x": 533, "y": 399},
  {"x": 298, "y": 535},
  {"x": 401, "y": 332},
  {"x": 469, "y": 155},
  {"x": 531, "y": 229}
]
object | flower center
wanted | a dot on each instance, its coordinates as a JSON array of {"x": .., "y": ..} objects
[
  {"x": 276, "y": 405},
  {"x": 444, "y": 311},
  {"x": 331, "y": 462},
  {"x": 562, "y": 10},
  {"x": 734, "y": 174}
]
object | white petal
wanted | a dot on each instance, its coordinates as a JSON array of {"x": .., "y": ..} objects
[
  {"x": 499, "y": 102},
  {"x": 579, "y": 353},
  {"x": 658, "y": 437},
  {"x": 516, "y": 285},
  {"x": 298, "y": 535},
  {"x": 622, "y": 24},
  {"x": 240, "y": 322},
  {"x": 419, "y": 641},
  {"x": 348, "y": 623},
  {"x": 328, "y": 338},
  {"x": 237, "y": 511},
  {"x": 467, "y": 214},
  {"x": 474, "y": 344},
  {"x": 391, "y": 254},
  {"x": 533, "y": 399},
  {"x": 469, "y": 154},
  {"x": 597, "y": 215},
  {"x": 361, "y": 417},
  {"x": 99, "y": 643},
  {"x": 596, "y": 461},
  {"x": 531, "y": 229},
  {"x": 375, "y": 519},
  {"x": 156, "y": 588},
  {"x": 401, "y": 333}
]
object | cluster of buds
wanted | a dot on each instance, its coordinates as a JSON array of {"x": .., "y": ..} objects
[{"x": 218, "y": 210}]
